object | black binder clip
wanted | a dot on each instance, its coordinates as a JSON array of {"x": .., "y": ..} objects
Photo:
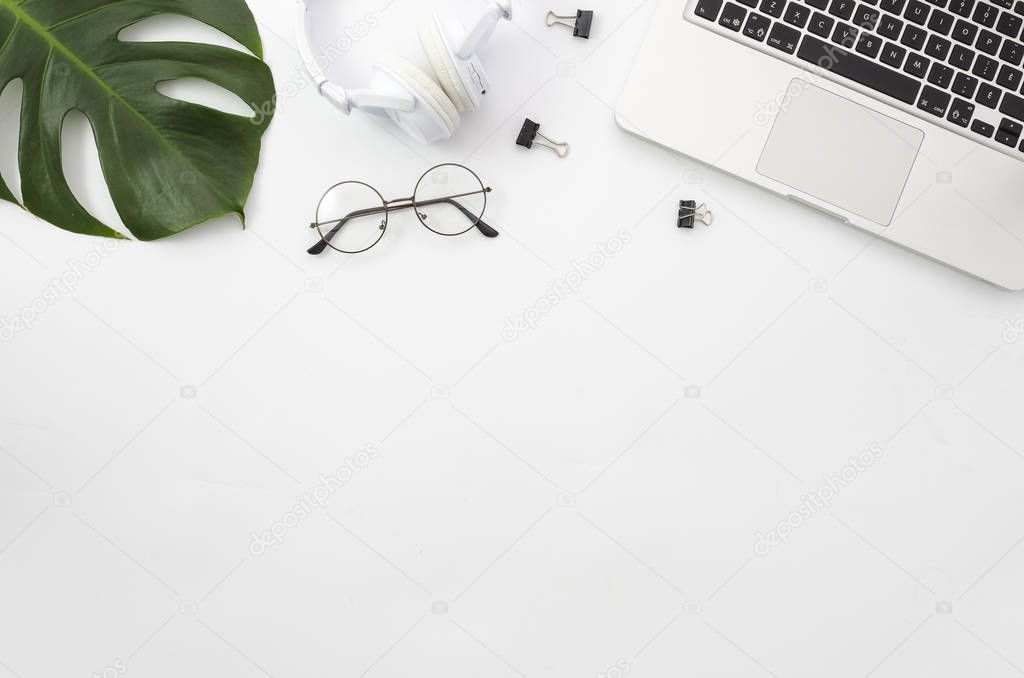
[
  {"x": 529, "y": 134},
  {"x": 690, "y": 213},
  {"x": 580, "y": 24}
]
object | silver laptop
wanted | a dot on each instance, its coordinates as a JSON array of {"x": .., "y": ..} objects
[{"x": 901, "y": 117}]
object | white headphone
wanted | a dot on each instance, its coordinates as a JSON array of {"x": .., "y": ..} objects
[{"x": 403, "y": 92}]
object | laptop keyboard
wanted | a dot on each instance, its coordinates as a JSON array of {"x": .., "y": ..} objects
[{"x": 954, "y": 61}]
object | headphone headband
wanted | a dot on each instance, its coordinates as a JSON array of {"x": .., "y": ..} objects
[
  {"x": 303, "y": 30},
  {"x": 393, "y": 93}
]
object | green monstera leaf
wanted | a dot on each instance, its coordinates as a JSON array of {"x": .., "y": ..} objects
[{"x": 168, "y": 164}]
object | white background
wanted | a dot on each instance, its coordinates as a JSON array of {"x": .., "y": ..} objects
[{"x": 581, "y": 497}]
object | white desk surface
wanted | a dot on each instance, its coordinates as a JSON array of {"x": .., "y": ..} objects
[{"x": 582, "y": 499}]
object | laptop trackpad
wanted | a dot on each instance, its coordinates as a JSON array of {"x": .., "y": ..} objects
[{"x": 840, "y": 152}]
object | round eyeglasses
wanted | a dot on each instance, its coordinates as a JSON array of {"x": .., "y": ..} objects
[{"x": 449, "y": 199}]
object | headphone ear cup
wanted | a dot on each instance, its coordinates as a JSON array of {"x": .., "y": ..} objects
[
  {"x": 441, "y": 61},
  {"x": 425, "y": 89}
]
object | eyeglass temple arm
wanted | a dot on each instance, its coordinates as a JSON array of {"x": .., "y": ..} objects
[
  {"x": 480, "y": 224},
  {"x": 319, "y": 247},
  {"x": 322, "y": 244}
]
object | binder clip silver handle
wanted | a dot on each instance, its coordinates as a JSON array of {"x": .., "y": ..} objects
[
  {"x": 690, "y": 213},
  {"x": 530, "y": 133},
  {"x": 580, "y": 23}
]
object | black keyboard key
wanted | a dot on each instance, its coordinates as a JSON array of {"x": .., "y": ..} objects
[
  {"x": 866, "y": 17},
  {"x": 1011, "y": 126},
  {"x": 893, "y": 6},
  {"x": 1012, "y": 52},
  {"x": 988, "y": 96},
  {"x": 916, "y": 65},
  {"x": 914, "y": 37},
  {"x": 817, "y": 4},
  {"x": 845, "y": 35},
  {"x": 983, "y": 128},
  {"x": 917, "y": 12},
  {"x": 1009, "y": 24},
  {"x": 1012, "y": 106},
  {"x": 796, "y": 15},
  {"x": 933, "y": 101},
  {"x": 941, "y": 22},
  {"x": 965, "y": 85},
  {"x": 708, "y": 9},
  {"x": 757, "y": 26},
  {"x": 893, "y": 55},
  {"x": 1008, "y": 4},
  {"x": 869, "y": 45},
  {"x": 988, "y": 42},
  {"x": 773, "y": 7},
  {"x": 961, "y": 112},
  {"x": 985, "y": 14},
  {"x": 821, "y": 25},
  {"x": 962, "y": 58},
  {"x": 961, "y": 7},
  {"x": 1008, "y": 132},
  {"x": 861, "y": 70},
  {"x": 985, "y": 68},
  {"x": 964, "y": 32},
  {"x": 841, "y": 8},
  {"x": 1018, "y": 7},
  {"x": 732, "y": 17},
  {"x": 784, "y": 38},
  {"x": 750, "y": 3},
  {"x": 1009, "y": 77},
  {"x": 890, "y": 27},
  {"x": 938, "y": 47},
  {"x": 940, "y": 76},
  {"x": 1007, "y": 138}
]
